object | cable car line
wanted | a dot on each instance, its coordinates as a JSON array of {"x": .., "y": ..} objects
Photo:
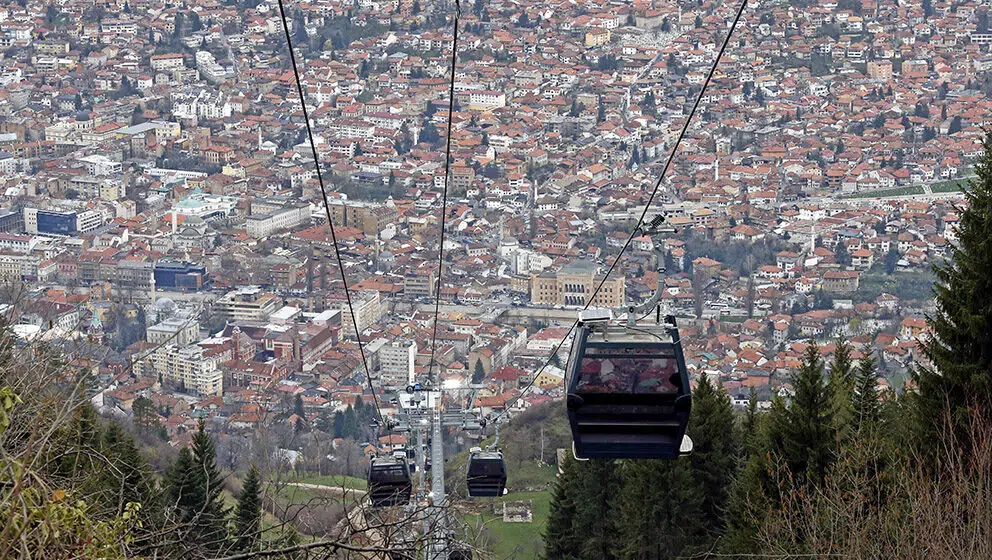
[
  {"x": 647, "y": 206},
  {"x": 444, "y": 194},
  {"x": 327, "y": 209}
]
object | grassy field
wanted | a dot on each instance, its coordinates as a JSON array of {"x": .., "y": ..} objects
[
  {"x": 948, "y": 186},
  {"x": 520, "y": 541},
  {"x": 898, "y": 191},
  {"x": 335, "y": 480}
]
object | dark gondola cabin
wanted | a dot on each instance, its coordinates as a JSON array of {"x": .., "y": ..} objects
[
  {"x": 486, "y": 474},
  {"x": 389, "y": 482},
  {"x": 628, "y": 391}
]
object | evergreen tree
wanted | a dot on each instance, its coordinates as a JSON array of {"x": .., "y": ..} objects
[
  {"x": 298, "y": 407},
  {"x": 891, "y": 259},
  {"x": 180, "y": 482},
  {"x": 660, "y": 510},
  {"x": 338, "y": 424},
  {"x": 582, "y": 521},
  {"x": 595, "y": 519},
  {"x": 805, "y": 438},
  {"x": 479, "y": 373},
  {"x": 714, "y": 455},
  {"x": 144, "y": 415},
  {"x": 840, "y": 385},
  {"x": 842, "y": 255},
  {"x": 959, "y": 350},
  {"x": 248, "y": 515},
  {"x": 865, "y": 399},
  {"x": 210, "y": 515},
  {"x": 560, "y": 540},
  {"x": 131, "y": 479}
]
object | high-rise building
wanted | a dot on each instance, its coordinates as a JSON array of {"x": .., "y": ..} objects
[
  {"x": 185, "y": 367},
  {"x": 396, "y": 362}
]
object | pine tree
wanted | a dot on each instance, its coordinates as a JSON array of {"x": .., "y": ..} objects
[
  {"x": 714, "y": 455},
  {"x": 338, "y": 424},
  {"x": 959, "y": 349},
  {"x": 582, "y": 520},
  {"x": 865, "y": 399},
  {"x": 595, "y": 519},
  {"x": 180, "y": 482},
  {"x": 248, "y": 515},
  {"x": 130, "y": 479},
  {"x": 660, "y": 510},
  {"x": 805, "y": 438},
  {"x": 840, "y": 385},
  {"x": 210, "y": 516}
]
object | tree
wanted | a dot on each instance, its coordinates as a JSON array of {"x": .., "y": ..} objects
[
  {"x": 415, "y": 9},
  {"x": 821, "y": 300},
  {"x": 959, "y": 350},
  {"x": 891, "y": 260},
  {"x": 145, "y": 415},
  {"x": 479, "y": 373},
  {"x": 804, "y": 433},
  {"x": 248, "y": 514},
  {"x": 601, "y": 112},
  {"x": 955, "y": 125},
  {"x": 210, "y": 513},
  {"x": 560, "y": 540},
  {"x": 660, "y": 510},
  {"x": 714, "y": 456},
  {"x": 927, "y": 9},
  {"x": 178, "y": 23},
  {"x": 840, "y": 384},
  {"x": 865, "y": 399}
]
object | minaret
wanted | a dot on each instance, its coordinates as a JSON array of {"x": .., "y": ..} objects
[
  {"x": 174, "y": 222},
  {"x": 716, "y": 169},
  {"x": 152, "y": 284}
]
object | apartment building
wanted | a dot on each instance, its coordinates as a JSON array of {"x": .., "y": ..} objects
[
  {"x": 396, "y": 362},
  {"x": 184, "y": 367}
]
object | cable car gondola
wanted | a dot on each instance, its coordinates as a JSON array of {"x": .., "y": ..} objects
[
  {"x": 628, "y": 390},
  {"x": 389, "y": 481},
  {"x": 486, "y": 473}
]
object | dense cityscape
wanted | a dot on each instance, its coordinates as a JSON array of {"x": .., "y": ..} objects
[{"x": 163, "y": 217}]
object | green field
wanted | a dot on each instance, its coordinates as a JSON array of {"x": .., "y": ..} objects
[
  {"x": 521, "y": 541},
  {"x": 948, "y": 186},
  {"x": 898, "y": 191},
  {"x": 335, "y": 480}
]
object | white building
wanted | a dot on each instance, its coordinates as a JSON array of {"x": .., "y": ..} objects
[
  {"x": 176, "y": 330},
  {"x": 396, "y": 362},
  {"x": 185, "y": 367},
  {"x": 285, "y": 218}
]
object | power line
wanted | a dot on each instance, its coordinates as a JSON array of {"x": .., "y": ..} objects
[
  {"x": 647, "y": 206},
  {"x": 444, "y": 194},
  {"x": 327, "y": 209}
]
